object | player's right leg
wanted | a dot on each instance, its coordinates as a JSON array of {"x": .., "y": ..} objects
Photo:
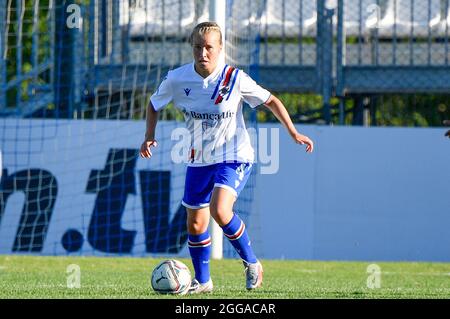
[
  {"x": 199, "y": 243},
  {"x": 197, "y": 195}
]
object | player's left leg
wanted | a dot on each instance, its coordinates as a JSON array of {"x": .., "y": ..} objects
[{"x": 229, "y": 182}]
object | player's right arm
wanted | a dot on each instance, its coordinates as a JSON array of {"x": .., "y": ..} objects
[
  {"x": 158, "y": 101},
  {"x": 149, "y": 141}
]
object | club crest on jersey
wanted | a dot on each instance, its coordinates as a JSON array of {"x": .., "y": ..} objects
[
  {"x": 225, "y": 84},
  {"x": 224, "y": 90},
  {"x": 187, "y": 91}
]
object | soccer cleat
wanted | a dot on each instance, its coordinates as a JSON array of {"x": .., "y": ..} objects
[
  {"x": 198, "y": 288},
  {"x": 254, "y": 275}
]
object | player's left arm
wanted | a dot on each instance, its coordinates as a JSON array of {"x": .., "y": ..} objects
[{"x": 277, "y": 108}]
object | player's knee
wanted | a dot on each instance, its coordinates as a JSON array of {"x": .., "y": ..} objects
[
  {"x": 221, "y": 214},
  {"x": 196, "y": 227}
]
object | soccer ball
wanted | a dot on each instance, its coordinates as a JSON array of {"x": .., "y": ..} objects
[{"x": 171, "y": 277}]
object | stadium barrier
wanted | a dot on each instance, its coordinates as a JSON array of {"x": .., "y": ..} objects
[{"x": 364, "y": 194}]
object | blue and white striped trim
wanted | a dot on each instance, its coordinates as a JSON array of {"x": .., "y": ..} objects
[
  {"x": 238, "y": 233},
  {"x": 218, "y": 83},
  {"x": 221, "y": 81},
  {"x": 203, "y": 243},
  {"x": 195, "y": 206},
  {"x": 232, "y": 84},
  {"x": 231, "y": 189}
]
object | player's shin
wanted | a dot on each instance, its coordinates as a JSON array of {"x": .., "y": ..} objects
[
  {"x": 200, "y": 250},
  {"x": 237, "y": 234}
]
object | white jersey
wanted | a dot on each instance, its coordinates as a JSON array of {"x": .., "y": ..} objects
[{"x": 212, "y": 108}]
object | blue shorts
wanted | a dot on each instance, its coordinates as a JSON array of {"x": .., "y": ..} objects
[{"x": 201, "y": 180}]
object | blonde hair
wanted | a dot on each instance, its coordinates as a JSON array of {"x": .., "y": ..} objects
[{"x": 203, "y": 28}]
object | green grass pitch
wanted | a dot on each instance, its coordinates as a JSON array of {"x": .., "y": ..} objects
[{"x": 128, "y": 277}]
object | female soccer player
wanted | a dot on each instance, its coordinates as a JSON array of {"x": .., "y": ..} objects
[{"x": 210, "y": 94}]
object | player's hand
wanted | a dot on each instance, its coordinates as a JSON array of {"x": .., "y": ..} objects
[
  {"x": 303, "y": 139},
  {"x": 145, "y": 148}
]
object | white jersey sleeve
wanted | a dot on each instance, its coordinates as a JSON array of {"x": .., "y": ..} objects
[
  {"x": 251, "y": 92},
  {"x": 163, "y": 95}
]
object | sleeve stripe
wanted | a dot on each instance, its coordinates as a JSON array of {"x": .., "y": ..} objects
[
  {"x": 227, "y": 78},
  {"x": 218, "y": 83},
  {"x": 232, "y": 84},
  {"x": 225, "y": 83},
  {"x": 238, "y": 234}
]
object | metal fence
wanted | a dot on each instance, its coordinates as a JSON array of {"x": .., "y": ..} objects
[{"x": 332, "y": 48}]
